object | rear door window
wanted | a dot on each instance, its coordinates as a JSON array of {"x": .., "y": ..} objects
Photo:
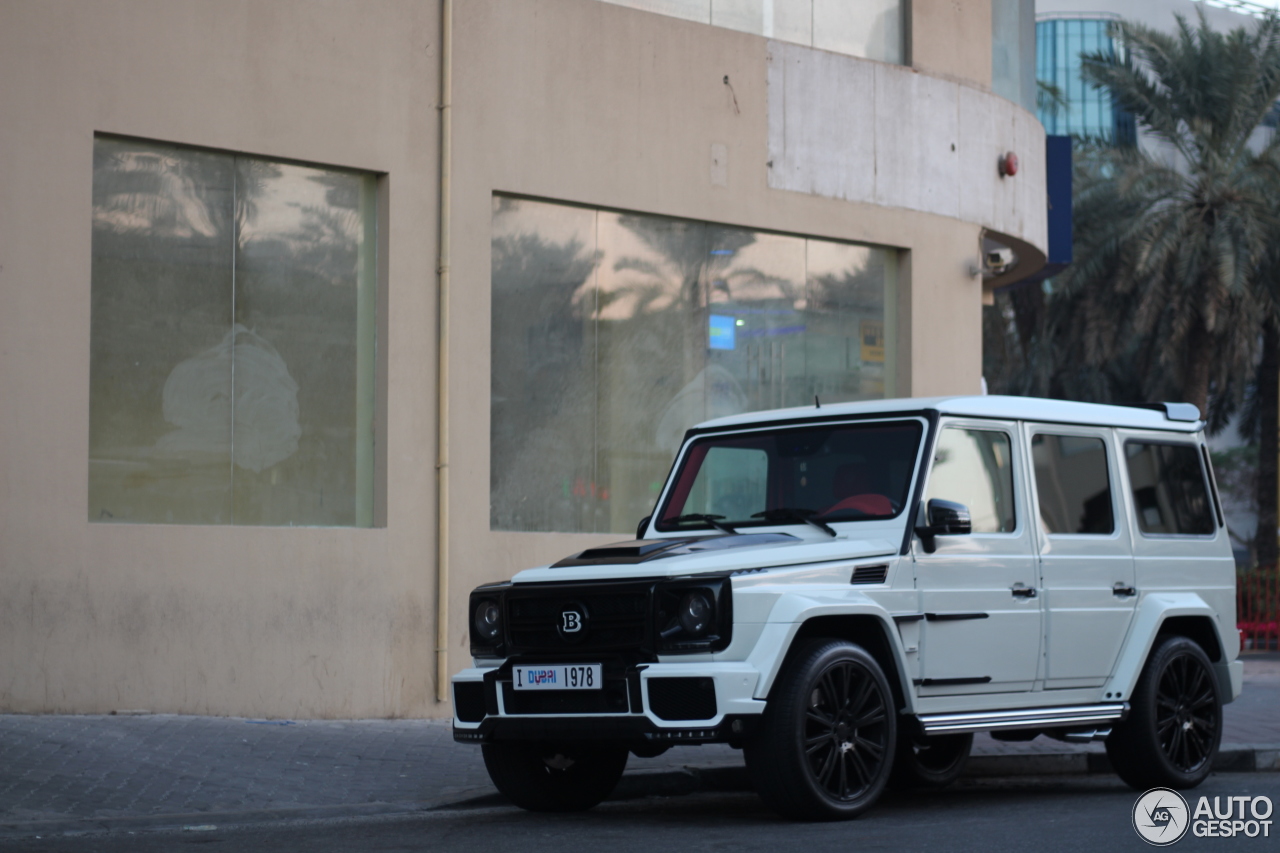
[
  {"x": 1170, "y": 495},
  {"x": 1072, "y": 484}
]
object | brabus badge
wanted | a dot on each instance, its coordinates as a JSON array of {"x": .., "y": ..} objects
[{"x": 572, "y": 626}]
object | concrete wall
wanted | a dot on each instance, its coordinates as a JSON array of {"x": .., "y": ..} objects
[{"x": 569, "y": 100}]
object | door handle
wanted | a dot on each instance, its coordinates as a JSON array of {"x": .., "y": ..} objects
[
  {"x": 1122, "y": 590},
  {"x": 1020, "y": 591}
]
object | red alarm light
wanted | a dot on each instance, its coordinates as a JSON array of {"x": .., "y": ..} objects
[{"x": 1008, "y": 164}]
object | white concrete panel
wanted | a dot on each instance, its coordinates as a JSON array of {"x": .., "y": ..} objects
[
  {"x": 868, "y": 132},
  {"x": 979, "y": 150},
  {"x": 934, "y": 120},
  {"x": 821, "y": 128},
  {"x": 1003, "y": 214},
  {"x": 1029, "y": 207},
  {"x": 896, "y": 151}
]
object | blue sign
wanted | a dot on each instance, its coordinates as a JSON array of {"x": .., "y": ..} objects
[{"x": 721, "y": 332}]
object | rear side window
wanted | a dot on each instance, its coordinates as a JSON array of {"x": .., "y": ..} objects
[
  {"x": 1072, "y": 484},
  {"x": 1170, "y": 495}
]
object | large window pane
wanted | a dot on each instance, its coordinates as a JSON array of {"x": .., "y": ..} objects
[
  {"x": 1013, "y": 51},
  {"x": 1077, "y": 108},
  {"x": 232, "y": 339},
  {"x": 614, "y": 333},
  {"x": 868, "y": 28}
]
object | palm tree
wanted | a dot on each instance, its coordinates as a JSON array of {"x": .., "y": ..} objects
[{"x": 1173, "y": 288}]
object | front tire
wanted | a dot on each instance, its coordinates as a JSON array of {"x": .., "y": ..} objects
[
  {"x": 1175, "y": 720},
  {"x": 825, "y": 746},
  {"x": 555, "y": 778}
]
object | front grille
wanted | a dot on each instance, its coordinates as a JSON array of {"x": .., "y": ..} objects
[
  {"x": 611, "y": 699},
  {"x": 682, "y": 698},
  {"x": 616, "y": 619}
]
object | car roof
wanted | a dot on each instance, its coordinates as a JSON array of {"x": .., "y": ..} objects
[{"x": 1176, "y": 417}]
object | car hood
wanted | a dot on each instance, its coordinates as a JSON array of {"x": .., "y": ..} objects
[{"x": 686, "y": 555}]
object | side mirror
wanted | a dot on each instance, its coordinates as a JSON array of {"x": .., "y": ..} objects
[
  {"x": 943, "y": 518},
  {"x": 644, "y": 522}
]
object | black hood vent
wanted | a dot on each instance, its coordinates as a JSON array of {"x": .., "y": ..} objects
[{"x": 644, "y": 550}]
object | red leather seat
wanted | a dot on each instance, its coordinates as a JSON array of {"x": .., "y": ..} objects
[{"x": 852, "y": 489}]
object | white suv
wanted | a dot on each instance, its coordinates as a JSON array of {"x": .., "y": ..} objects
[{"x": 849, "y": 592}]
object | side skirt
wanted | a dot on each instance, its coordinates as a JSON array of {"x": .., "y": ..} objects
[{"x": 1070, "y": 716}]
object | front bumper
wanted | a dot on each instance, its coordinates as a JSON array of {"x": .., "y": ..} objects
[{"x": 637, "y": 709}]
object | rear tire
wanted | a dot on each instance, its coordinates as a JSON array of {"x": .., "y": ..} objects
[
  {"x": 929, "y": 762},
  {"x": 555, "y": 777},
  {"x": 1174, "y": 726},
  {"x": 826, "y": 741}
]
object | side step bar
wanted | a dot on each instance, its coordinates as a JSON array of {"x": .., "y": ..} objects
[{"x": 1029, "y": 718}]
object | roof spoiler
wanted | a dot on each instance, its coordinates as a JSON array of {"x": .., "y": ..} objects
[{"x": 1172, "y": 411}]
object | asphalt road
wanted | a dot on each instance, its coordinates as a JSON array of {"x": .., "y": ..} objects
[{"x": 1039, "y": 814}]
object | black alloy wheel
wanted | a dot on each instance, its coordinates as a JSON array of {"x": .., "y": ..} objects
[
  {"x": 826, "y": 744},
  {"x": 1175, "y": 720}
]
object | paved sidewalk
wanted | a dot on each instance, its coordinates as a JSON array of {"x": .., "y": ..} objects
[{"x": 88, "y": 773}]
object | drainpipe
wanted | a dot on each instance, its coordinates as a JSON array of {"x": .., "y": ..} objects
[{"x": 442, "y": 358}]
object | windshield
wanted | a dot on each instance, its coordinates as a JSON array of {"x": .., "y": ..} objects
[{"x": 839, "y": 472}]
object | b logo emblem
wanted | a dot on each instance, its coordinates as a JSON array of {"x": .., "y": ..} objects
[{"x": 572, "y": 624}]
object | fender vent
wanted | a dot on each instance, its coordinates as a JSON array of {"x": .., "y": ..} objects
[{"x": 870, "y": 574}]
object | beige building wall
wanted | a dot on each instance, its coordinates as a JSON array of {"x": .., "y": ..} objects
[
  {"x": 568, "y": 100},
  {"x": 208, "y": 619}
]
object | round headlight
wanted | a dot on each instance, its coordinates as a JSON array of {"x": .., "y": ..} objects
[
  {"x": 695, "y": 613},
  {"x": 488, "y": 621}
]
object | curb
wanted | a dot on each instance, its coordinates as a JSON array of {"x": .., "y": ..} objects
[
  {"x": 210, "y": 821},
  {"x": 1232, "y": 758}
]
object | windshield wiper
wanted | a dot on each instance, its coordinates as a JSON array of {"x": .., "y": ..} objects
[
  {"x": 713, "y": 520},
  {"x": 787, "y": 513}
]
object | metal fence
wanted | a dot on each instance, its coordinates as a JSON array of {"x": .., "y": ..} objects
[{"x": 1258, "y": 609}]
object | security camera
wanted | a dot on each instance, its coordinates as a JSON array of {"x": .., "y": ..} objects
[{"x": 998, "y": 261}]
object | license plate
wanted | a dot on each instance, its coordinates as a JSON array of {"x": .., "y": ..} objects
[{"x": 572, "y": 676}]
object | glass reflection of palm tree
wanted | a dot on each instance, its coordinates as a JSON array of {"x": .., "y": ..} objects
[{"x": 542, "y": 382}]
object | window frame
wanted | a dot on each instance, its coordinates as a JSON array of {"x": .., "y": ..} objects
[
  {"x": 1107, "y": 437},
  {"x": 369, "y": 362},
  {"x": 681, "y": 462},
  {"x": 1011, "y": 431}
]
